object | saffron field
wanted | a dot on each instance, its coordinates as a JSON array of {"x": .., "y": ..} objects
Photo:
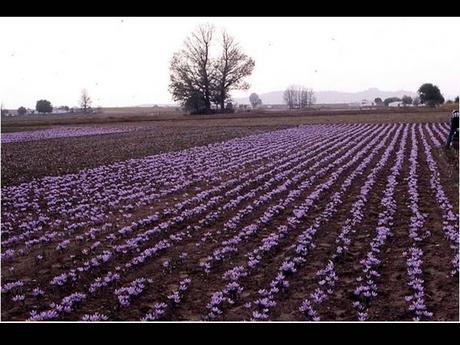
[
  {"x": 55, "y": 133},
  {"x": 321, "y": 222}
]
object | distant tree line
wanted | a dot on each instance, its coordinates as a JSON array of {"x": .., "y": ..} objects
[
  {"x": 299, "y": 97},
  {"x": 428, "y": 94},
  {"x": 44, "y": 106}
]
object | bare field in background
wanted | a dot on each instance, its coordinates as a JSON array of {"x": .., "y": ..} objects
[
  {"x": 172, "y": 117},
  {"x": 153, "y": 134}
]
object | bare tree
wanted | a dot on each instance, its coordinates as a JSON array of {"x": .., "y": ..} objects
[
  {"x": 309, "y": 97},
  {"x": 191, "y": 70},
  {"x": 85, "y": 100},
  {"x": 299, "y": 97},
  {"x": 303, "y": 97},
  {"x": 290, "y": 97},
  {"x": 231, "y": 68},
  {"x": 197, "y": 79}
]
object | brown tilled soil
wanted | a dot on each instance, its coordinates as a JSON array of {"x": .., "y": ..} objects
[{"x": 23, "y": 161}]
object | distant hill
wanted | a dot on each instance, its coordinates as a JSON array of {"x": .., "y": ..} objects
[{"x": 276, "y": 97}]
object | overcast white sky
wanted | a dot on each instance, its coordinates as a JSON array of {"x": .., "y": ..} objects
[{"x": 125, "y": 61}]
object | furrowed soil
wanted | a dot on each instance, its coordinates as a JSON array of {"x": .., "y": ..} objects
[{"x": 22, "y": 162}]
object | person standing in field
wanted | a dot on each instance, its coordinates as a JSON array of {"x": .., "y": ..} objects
[{"x": 453, "y": 128}]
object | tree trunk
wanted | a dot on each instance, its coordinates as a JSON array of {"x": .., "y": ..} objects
[
  {"x": 222, "y": 103},
  {"x": 207, "y": 105}
]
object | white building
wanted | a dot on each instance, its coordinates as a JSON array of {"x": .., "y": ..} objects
[{"x": 396, "y": 104}]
